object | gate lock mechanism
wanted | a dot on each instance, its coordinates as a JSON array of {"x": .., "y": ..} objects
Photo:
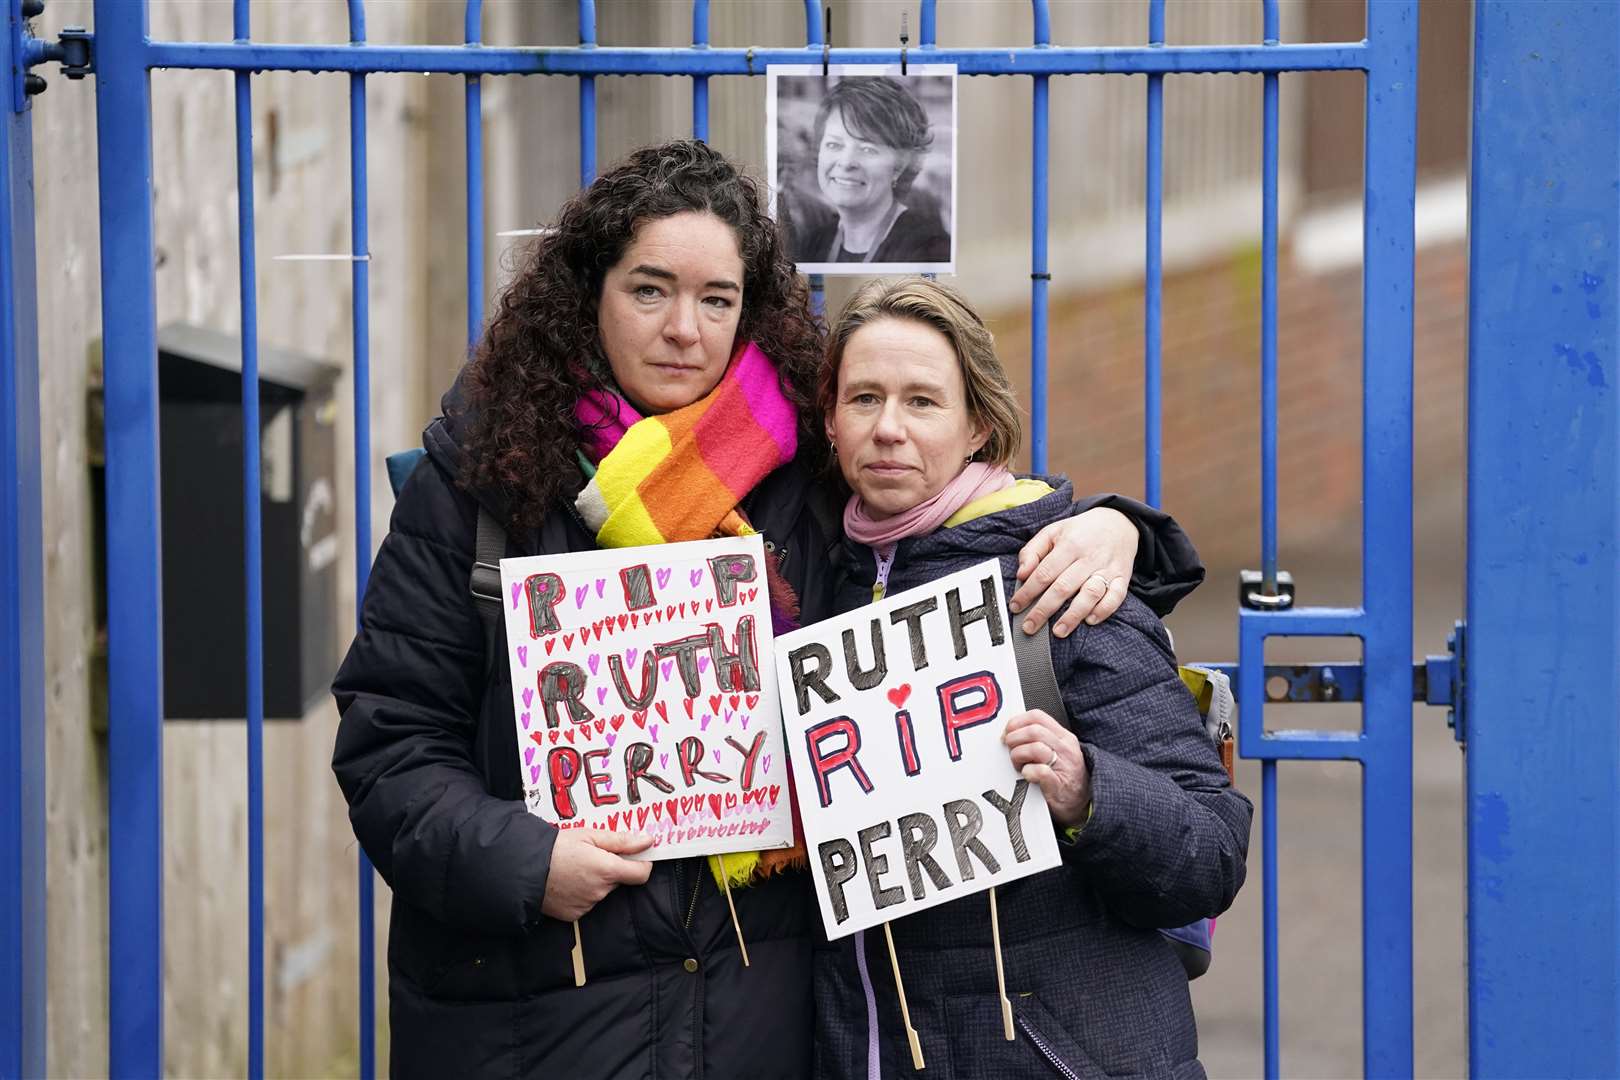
[{"x": 72, "y": 49}]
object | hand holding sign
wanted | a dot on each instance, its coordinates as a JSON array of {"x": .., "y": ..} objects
[
  {"x": 1048, "y": 754},
  {"x": 586, "y": 866}
]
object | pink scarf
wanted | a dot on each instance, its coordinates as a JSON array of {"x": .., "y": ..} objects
[{"x": 974, "y": 482}]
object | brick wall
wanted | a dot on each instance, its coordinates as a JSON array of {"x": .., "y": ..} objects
[{"x": 1211, "y": 392}]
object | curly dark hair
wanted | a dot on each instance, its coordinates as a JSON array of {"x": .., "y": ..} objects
[{"x": 541, "y": 350}]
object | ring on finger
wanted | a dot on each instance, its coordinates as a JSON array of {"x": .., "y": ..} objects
[{"x": 1054, "y": 760}]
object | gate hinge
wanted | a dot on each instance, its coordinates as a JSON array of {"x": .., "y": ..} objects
[
  {"x": 73, "y": 49},
  {"x": 1438, "y": 680}
]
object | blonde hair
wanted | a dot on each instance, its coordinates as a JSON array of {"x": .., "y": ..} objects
[{"x": 990, "y": 398}]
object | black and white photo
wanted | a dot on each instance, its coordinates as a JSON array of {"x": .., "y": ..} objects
[{"x": 862, "y": 166}]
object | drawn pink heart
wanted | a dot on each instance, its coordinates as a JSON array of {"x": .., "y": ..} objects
[
  {"x": 534, "y": 774},
  {"x": 630, "y": 657},
  {"x": 523, "y": 655},
  {"x": 601, "y": 695},
  {"x": 580, "y": 594},
  {"x": 607, "y": 782},
  {"x": 703, "y": 724},
  {"x": 729, "y": 715},
  {"x": 744, "y": 719},
  {"x": 666, "y": 667},
  {"x": 528, "y": 696},
  {"x": 695, "y": 576},
  {"x": 663, "y": 577},
  {"x": 517, "y": 591},
  {"x": 528, "y": 755},
  {"x": 717, "y": 757},
  {"x": 594, "y": 662},
  {"x": 525, "y": 719},
  {"x": 765, "y": 766},
  {"x": 703, "y": 663},
  {"x": 663, "y": 761},
  {"x": 611, "y": 738},
  {"x": 652, "y": 731},
  {"x": 601, "y": 583}
]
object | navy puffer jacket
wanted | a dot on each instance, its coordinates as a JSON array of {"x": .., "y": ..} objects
[{"x": 1096, "y": 991}]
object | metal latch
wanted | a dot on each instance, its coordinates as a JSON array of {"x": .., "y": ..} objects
[{"x": 1253, "y": 594}]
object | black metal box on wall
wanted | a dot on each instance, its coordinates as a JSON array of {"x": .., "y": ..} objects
[{"x": 204, "y": 583}]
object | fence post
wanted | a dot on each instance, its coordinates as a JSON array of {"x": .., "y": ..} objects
[
  {"x": 22, "y": 626},
  {"x": 1542, "y": 683},
  {"x": 134, "y": 565}
]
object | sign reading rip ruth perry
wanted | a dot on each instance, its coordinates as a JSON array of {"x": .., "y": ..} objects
[
  {"x": 645, "y": 695},
  {"x": 894, "y": 714}
]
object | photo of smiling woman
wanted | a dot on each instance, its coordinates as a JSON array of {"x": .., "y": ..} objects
[{"x": 863, "y": 167}]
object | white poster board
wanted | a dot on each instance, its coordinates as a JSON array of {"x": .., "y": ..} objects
[
  {"x": 645, "y": 695},
  {"x": 893, "y": 715}
]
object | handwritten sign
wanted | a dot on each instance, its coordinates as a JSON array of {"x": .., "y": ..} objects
[
  {"x": 645, "y": 696},
  {"x": 894, "y": 714}
]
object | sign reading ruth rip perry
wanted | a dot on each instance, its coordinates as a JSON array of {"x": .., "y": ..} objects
[
  {"x": 645, "y": 694},
  {"x": 893, "y": 715}
]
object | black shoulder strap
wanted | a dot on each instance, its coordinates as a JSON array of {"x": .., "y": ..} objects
[
  {"x": 485, "y": 580},
  {"x": 1033, "y": 655}
]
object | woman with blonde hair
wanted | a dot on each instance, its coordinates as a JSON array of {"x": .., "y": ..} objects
[{"x": 923, "y": 424}]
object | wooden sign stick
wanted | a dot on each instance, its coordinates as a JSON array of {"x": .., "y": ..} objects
[
  {"x": 578, "y": 953},
  {"x": 905, "y": 1011},
  {"x": 725, "y": 880},
  {"x": 1001, "y": 975}
]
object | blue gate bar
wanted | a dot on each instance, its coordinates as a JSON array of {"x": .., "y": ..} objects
[
  {"x": 252, "y": 542},
  {"x": 1039, "y": 277},
  {"x": 22, "y": 615},
  {"x": 1389, "y": 249},
  {"x": 683, "y": 60},
  {"x": 1268, "y": 320},
  {"x": 360, "y": 285},
  {"x": 475, "y": 165},
  {"x": 1153, "y": 269},
  {"x": 587, "y": 95},
  {"x": 134, "y": 565},
  {"x": 700, "y": 83},
  {"x": 1540, "y": 699}
]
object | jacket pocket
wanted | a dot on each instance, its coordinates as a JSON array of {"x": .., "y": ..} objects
[{"x": 1040, "y": 1047}]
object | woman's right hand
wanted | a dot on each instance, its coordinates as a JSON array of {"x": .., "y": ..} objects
[{"x": 586, "y": 866}]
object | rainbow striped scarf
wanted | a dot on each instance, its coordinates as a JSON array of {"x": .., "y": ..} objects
[{"x": 679, "y": 476}]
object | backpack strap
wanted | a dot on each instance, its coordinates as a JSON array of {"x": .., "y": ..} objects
[
  {"x": 485, "y": 580},
  {"x": 1033, "y": 655}
]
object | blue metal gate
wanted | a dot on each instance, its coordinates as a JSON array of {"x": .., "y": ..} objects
[{"x": 124, "y": 57}]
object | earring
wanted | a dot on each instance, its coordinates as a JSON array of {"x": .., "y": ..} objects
[
  {"x": 835, "y": 453},
  {"x": 968, "y": 460}
]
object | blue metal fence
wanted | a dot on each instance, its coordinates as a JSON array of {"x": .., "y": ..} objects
[{"x": 1387, "y": 58}]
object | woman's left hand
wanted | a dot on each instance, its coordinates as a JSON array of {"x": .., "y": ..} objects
[
  {"x": 1046, "y": 753},
  {"x": 1086, "y": 559}
]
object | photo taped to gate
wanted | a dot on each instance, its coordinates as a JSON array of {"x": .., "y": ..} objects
[{"x": 862, "y": 166}]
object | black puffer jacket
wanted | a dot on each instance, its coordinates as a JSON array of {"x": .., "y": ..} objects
[{"x": 480, "y": 982}]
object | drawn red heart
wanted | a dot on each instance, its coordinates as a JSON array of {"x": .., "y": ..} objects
[
  {"x": 539, "y": 738},
  {"x": 714, "y": 804},
  {"x": 714, "y": 702},
  {"x": 663, "y": 710},
  {"x": 708, "y": 605},
  {"x": 752, "y": 699},
  {"x": 635, "y": 619},
  {"x": 584, "y": 635},
  {"x": 688, "y": 704},
  {"x": 897, "y": 696},
  {"x": 617, "y": 722},
  {"x": 624, "y": 620},
  {"x": 641, "y": 817},
  {"x": 569, "y": 734},
  {"x": 658, "y": 811},
  {"x": 669, "y": 611},
  {"x": 733, "y": 700},
  {"x": 640, "y": 717},
  {"x": 550, "y": 643},
  {"x": 601, "y": 726},
  {"x": 554, "y": 734},
  {"x": 568, "y": 641},
  {"x": 613, "y": 821}
]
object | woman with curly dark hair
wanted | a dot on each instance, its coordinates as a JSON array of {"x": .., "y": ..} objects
[{"x": 662, "y": 312}]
